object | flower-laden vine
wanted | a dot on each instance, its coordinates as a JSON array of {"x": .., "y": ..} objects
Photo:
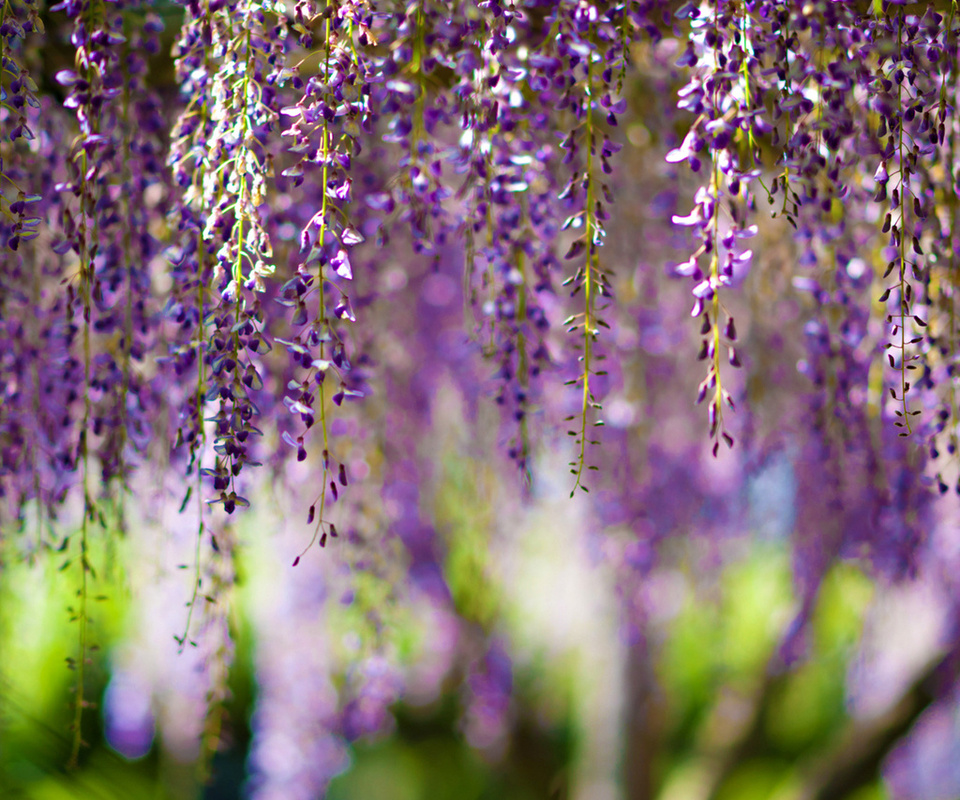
[
  {"x": 222, "y": 159},
  {"x": 416, "y": 108},
  {"x": 720, "y": 93},
  {"x": 18, "y": 94},
  {"x": 91, "y": 92},
  {"x": 943, "y": 262},
  {"x": 242, "y": 113},
  {"x": 124, "y": 264},
  {"x": 508, "y": 225},
  {"x": 34, "y": 439},
  {"x": 191, "y": 265},
  {"x": 115, "y": 157},
  {"x": 904, "y": 105},
  {"x": 580, "y": 32},
  {"x": 324, "y": 133}
]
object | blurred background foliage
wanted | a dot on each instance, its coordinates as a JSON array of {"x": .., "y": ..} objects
[{"x": 724, "y": 718}]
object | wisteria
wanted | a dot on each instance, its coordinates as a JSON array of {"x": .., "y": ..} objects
[{"x": 251, "y": 249}]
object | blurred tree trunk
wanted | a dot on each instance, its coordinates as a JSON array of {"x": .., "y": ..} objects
[{"x": 642, "y": 725}]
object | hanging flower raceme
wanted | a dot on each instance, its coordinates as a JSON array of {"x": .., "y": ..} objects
[
  {"x": 508, "y": 220},
  {"x": 818, "y": 135},
  {"x": 87, "y": 209},
  {"x": 941, "y": 364},
  {"x": 231, "y": 52},
  {"x": 585, "y": 90},
  {"x": 88, "y": 219},
  {"x": 125, "y": 309},
  {"x": 18, "y": 93},
  {"x": 39, "y": 375},
  {"x": 719, "y": 94},
  {"x": 324, "y": 135},
  {"x": 905, "y": 101},
  {"x": 191, "y": 260},
  {"x": 415, "y": 109},
  {"x": 36, "y": 438}
]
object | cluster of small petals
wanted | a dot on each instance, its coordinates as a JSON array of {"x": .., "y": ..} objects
[
  {"x": 588, "y": 45},
  {"x": 414, "y": 115},
  {"x": 508, "y": 220},
  {"x": 727, "y": 99},
  {"x": 36, "y": 436},
  {"x": 937, "y": 204},
  {"x": 39, "y": 375},
  {"x": 191, "y": 260},
  {"x": 907, "y": 141},
  {"x": 220, "y": 158},
  {"x": 325, "y": 125},
  {"x": 18, "y": 95},
  {"x": 124, "y": 258},
  {"x": 761, "y": 81},
  {"x": 103, "y": 234}
]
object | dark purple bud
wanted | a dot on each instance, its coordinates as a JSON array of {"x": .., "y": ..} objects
[{"x": 730, "y": 330}]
